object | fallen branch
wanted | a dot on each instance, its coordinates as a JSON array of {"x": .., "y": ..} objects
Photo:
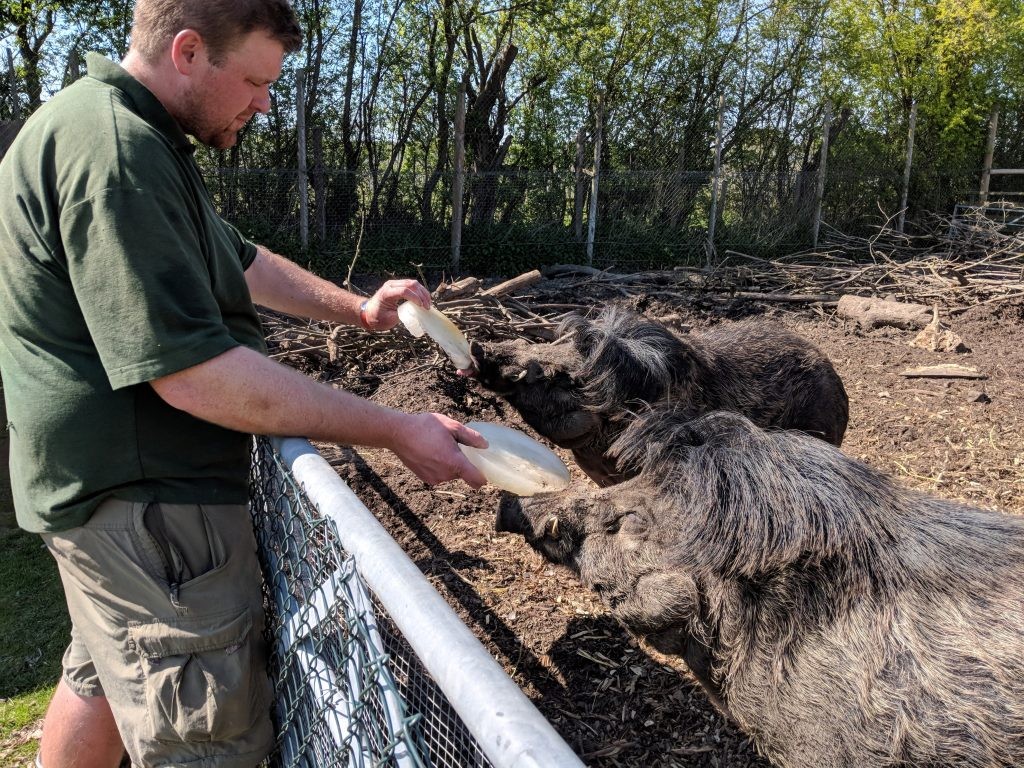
[
  {"x": 943, "y": 372},
  {"x": 795, "y": 298}
]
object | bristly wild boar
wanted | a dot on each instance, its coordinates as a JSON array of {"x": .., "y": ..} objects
[
  {"x": 581, "y": 397},
  {"x": 838, "y": 618}
]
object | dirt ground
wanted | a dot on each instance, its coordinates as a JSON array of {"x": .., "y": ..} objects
[{"x": 614, "y": 702}]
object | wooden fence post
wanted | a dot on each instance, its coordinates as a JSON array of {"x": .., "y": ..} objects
[
  {"x": 990, "y": 149},
  {"x": 319, "y": 181},
  {"x": 13, "y": 92},
  {"x": 594, "y": 181},
  {"x": 579, "y": 191},
  {"x": 819, "y": 189},
  {"x": 907, "y": 167},
  {"x": 459, "y": 177},
  {"x": 303, "y": 180},
  {"x": 715, "y": 179}
]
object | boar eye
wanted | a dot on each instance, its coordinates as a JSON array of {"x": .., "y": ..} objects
[{"x": 551, "y": 527}]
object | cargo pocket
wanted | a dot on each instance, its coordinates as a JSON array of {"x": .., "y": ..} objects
[{"x": 200, "y": 684}]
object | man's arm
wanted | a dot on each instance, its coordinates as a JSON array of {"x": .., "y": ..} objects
[
  {"x": 242, "y": 390},
  {"x": 280, "y": 284}
]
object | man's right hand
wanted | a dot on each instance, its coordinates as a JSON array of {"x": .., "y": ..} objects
[{"x": 428, "y": 445}]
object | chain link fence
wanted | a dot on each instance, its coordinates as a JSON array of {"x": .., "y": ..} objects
[
  {"x": 352, "y": 687},
  {"x": 644, "y": 219}
]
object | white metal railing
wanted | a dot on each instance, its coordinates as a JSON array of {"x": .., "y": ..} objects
[{"x": 370, "y": 665}]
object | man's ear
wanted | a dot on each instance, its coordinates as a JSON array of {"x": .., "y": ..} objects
[{"x": 187, "y": 49}]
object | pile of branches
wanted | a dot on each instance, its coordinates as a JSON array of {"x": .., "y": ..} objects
[
  {"x": 480, "y": 314},
  {"x": 957, "y": 263}
]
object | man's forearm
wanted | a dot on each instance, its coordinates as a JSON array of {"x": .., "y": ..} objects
[
  {"x": 280, "y": 284},
  {"x": 242, "y": 390}
]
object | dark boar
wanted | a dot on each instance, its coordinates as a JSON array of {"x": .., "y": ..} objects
[
  {"x": 582, "y": 397},
  {"x": 537, "y": 380},
  {"x": 838, "y": 618}
]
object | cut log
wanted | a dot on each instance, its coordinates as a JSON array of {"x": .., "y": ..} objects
[
  {"x": 943, "y": 372},
  {"x": 525, "y": 279},
  {"x": 873, "y": 313}
]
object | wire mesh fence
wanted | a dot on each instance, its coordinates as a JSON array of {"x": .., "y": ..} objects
[
  {"x": 349, "y": 689},
  {"x": 517, "y": 220}
]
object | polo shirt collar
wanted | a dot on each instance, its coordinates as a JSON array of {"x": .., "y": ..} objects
[{"x": 147, "y": 106}]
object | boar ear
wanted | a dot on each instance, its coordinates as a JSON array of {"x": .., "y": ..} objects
[
  {"x": 630, "y": 521},
  {"x": 585, "y": 336}
]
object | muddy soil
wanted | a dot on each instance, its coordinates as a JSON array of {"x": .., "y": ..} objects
[{"x": 615, "y": 702}]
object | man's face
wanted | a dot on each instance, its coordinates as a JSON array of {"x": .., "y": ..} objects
[{"x": 221, "y": 99}]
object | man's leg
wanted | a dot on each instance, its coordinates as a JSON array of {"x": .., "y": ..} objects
[
  {"x": 79, "y": 732},
  {"x": 166, "y": 606}
]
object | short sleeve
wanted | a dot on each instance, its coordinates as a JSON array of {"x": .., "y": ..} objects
[{"x": 246, "y": 248}]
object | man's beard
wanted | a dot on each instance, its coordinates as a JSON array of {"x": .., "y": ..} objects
[{"x": 195, "y": 123}]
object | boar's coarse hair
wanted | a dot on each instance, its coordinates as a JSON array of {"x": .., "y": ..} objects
[
  {"x": 623, "y": 362},
  {"x": 839, "y": 619}
]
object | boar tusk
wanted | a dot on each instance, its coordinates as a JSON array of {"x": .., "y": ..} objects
[
  {"x": 551, "y": 527},
  {"x": 521, "y": 376}
]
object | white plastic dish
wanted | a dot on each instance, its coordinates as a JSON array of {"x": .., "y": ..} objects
[
  {"x": 442, "y": 330},
  {"x": 516, "y": 462}
]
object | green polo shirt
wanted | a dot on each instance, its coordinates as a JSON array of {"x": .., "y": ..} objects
[{"x": 115, "y": 269}]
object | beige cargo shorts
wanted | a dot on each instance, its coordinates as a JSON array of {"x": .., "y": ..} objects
[{"x": 167, "y": 621}]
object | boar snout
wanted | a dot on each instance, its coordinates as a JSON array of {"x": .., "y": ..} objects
[
  {"x": 514, "y": 516},
  {"x": 510, "y": 517}
]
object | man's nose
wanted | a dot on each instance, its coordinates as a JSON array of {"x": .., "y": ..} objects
[{"x": 261, "y": 103}]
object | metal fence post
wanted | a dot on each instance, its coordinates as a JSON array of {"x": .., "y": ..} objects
[
  {"x": 303, "y": 180},
  {"x": 819, "y": 190},
  {"x": 330, "y": 702},
  {"x": 715, "y": 178},
  {"x": 990, "y": 149},
  {"x": 592, "y": 216},
  {"x": 906, "y": 168},
  {"x": 458, "y": 179}
]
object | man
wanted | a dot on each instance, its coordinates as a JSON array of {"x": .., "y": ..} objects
[{"x": 134, "y": 371}]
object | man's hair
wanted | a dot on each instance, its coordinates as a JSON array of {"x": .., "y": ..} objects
[{"x": 221, "y": 23}]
